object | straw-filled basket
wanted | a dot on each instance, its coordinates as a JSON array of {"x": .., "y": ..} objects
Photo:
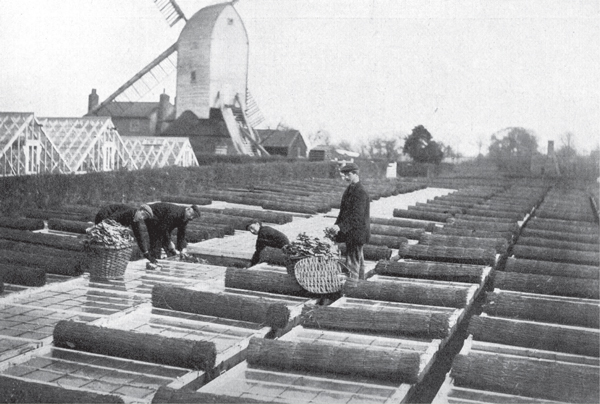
[{"x": 108, "y": 246}]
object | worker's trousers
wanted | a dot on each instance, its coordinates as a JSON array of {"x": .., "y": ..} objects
[{"x": 355, "y": 261}]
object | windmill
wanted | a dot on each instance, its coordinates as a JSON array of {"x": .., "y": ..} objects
[{"x": 210, "y": 59}]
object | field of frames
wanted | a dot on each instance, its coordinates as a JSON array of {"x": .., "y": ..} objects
[{"x": 477, "y": 291}]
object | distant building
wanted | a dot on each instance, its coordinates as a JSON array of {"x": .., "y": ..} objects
[
  {"x": 135, "y": 118},
  {"x": 288, "y": 143},
  {"x": 207, "y": 136},
  {"x": 331, "y": 153},
  {"x": 88, "y": 144},
  {"x": 25, "y": 148},
  {"x": 545, "y": 165},
  {"x": 30, "y": 145},
  {"x": 152, "y": 152}
]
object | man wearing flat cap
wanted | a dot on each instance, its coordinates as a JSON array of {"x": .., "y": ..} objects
[
  {"x": 129, "y": 217},
  {"x": 353, "y": 221},
  {"x": 168, "y": 217},
  {"x": 266, "y": 237}
]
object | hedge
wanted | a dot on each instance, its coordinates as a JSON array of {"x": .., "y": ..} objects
[{"x": 50, "y": 190}]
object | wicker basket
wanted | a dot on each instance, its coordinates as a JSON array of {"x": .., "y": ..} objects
[
  {"x": 319, "y": 275},
  {"x": 291, "y": 261},
  {"x": 107, "y": 262}
]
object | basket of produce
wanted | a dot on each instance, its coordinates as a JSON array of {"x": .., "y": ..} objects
[
  {"x": 304, "y": 247},
  {"x": 314, "y": 263},
  {"x": 319, "y": 275},
  {"x": 108, "y": 246}
]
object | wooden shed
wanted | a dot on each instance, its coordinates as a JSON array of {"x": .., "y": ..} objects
[
  {"x": 88, "y": 144},
  {"x": 330, "y": 153},
  {"x": 289, "y": 143},
  {"x": 152, "y": 152},
  {"x": 25, "y": 148}
]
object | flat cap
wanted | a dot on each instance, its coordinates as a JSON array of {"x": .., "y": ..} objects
[
  {"x": 348, "y": 168},
  {"x": 146, "y": 208}
]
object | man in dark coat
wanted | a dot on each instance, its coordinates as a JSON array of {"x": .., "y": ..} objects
[
  {"x": 168, "y": 217},
  {"x": 353, "y": 222},
  {"x": 266, "y": 237},
  {"x": 129, "y": 217}
]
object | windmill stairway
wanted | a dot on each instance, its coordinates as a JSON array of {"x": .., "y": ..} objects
[{"x": 240, "y": 129}]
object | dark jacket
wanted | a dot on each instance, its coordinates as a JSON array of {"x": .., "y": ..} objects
[
  {"x": 354, "y": 217},
  {"x": 124, "y": 214},
  {"x": 268, "y": 237},
  {"x": 167, "y": 217}
]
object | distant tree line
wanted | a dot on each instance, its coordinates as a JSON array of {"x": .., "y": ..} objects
[{"x": 510, "y": 149}]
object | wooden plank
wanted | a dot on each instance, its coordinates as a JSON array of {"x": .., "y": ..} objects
[
  {"x": 94, "y": 373},
  {"x": 15, "y": 389},
  {"x": 287, "y": 387}
]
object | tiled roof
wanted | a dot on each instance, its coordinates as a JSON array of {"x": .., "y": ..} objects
[
  {"x": 128, "y": 109},
  {"x": 188, "y": 124},
  {"x": 277, "y": 138}
]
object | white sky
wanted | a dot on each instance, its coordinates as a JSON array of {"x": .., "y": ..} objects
[{"x": 357, "y": 68}]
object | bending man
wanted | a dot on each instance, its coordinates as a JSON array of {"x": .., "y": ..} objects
[
  {"x": 129, "y": 217},
  {"x": 267, "y": 237},
  {"x": 168, "y": 217}
]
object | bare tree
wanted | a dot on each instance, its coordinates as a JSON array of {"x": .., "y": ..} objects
[
  {"x": 320, "y": 137},
  {"x": 345, "y": 145},
  {"x": 386, "y": 147},
  {"x": 480, "y": 141},
  {"x": 568, "y": 140}
]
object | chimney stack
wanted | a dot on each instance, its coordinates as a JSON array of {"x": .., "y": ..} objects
[
  {"x": 92, "y": 100},
  {"x": 550, "y": 147},
  {"x": 162, "y": 113}
]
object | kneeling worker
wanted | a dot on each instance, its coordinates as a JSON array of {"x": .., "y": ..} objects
[
  {"x": 129, "y": 217},
  {"x": 166, "y": 218},
  {"x": 267, "y": 237}
]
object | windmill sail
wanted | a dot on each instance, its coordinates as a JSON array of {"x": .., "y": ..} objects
[
  {"x": 253, "y": 113},
  {"x": 170, "y": 10},
  {"x": 145, "y": 81}
]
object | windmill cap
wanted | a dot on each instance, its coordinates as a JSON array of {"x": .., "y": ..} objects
[{"x": 348, "y": 168}]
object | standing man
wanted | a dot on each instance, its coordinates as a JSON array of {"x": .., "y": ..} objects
[
  {"x": 129, "y": 217},
  {"x": 168, "y": 217},
  {"x": 267, "y": 237},
  {"x": 353, "y": 225}
]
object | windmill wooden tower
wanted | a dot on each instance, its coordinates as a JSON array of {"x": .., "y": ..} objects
[{"x": 212, "y": 72}]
